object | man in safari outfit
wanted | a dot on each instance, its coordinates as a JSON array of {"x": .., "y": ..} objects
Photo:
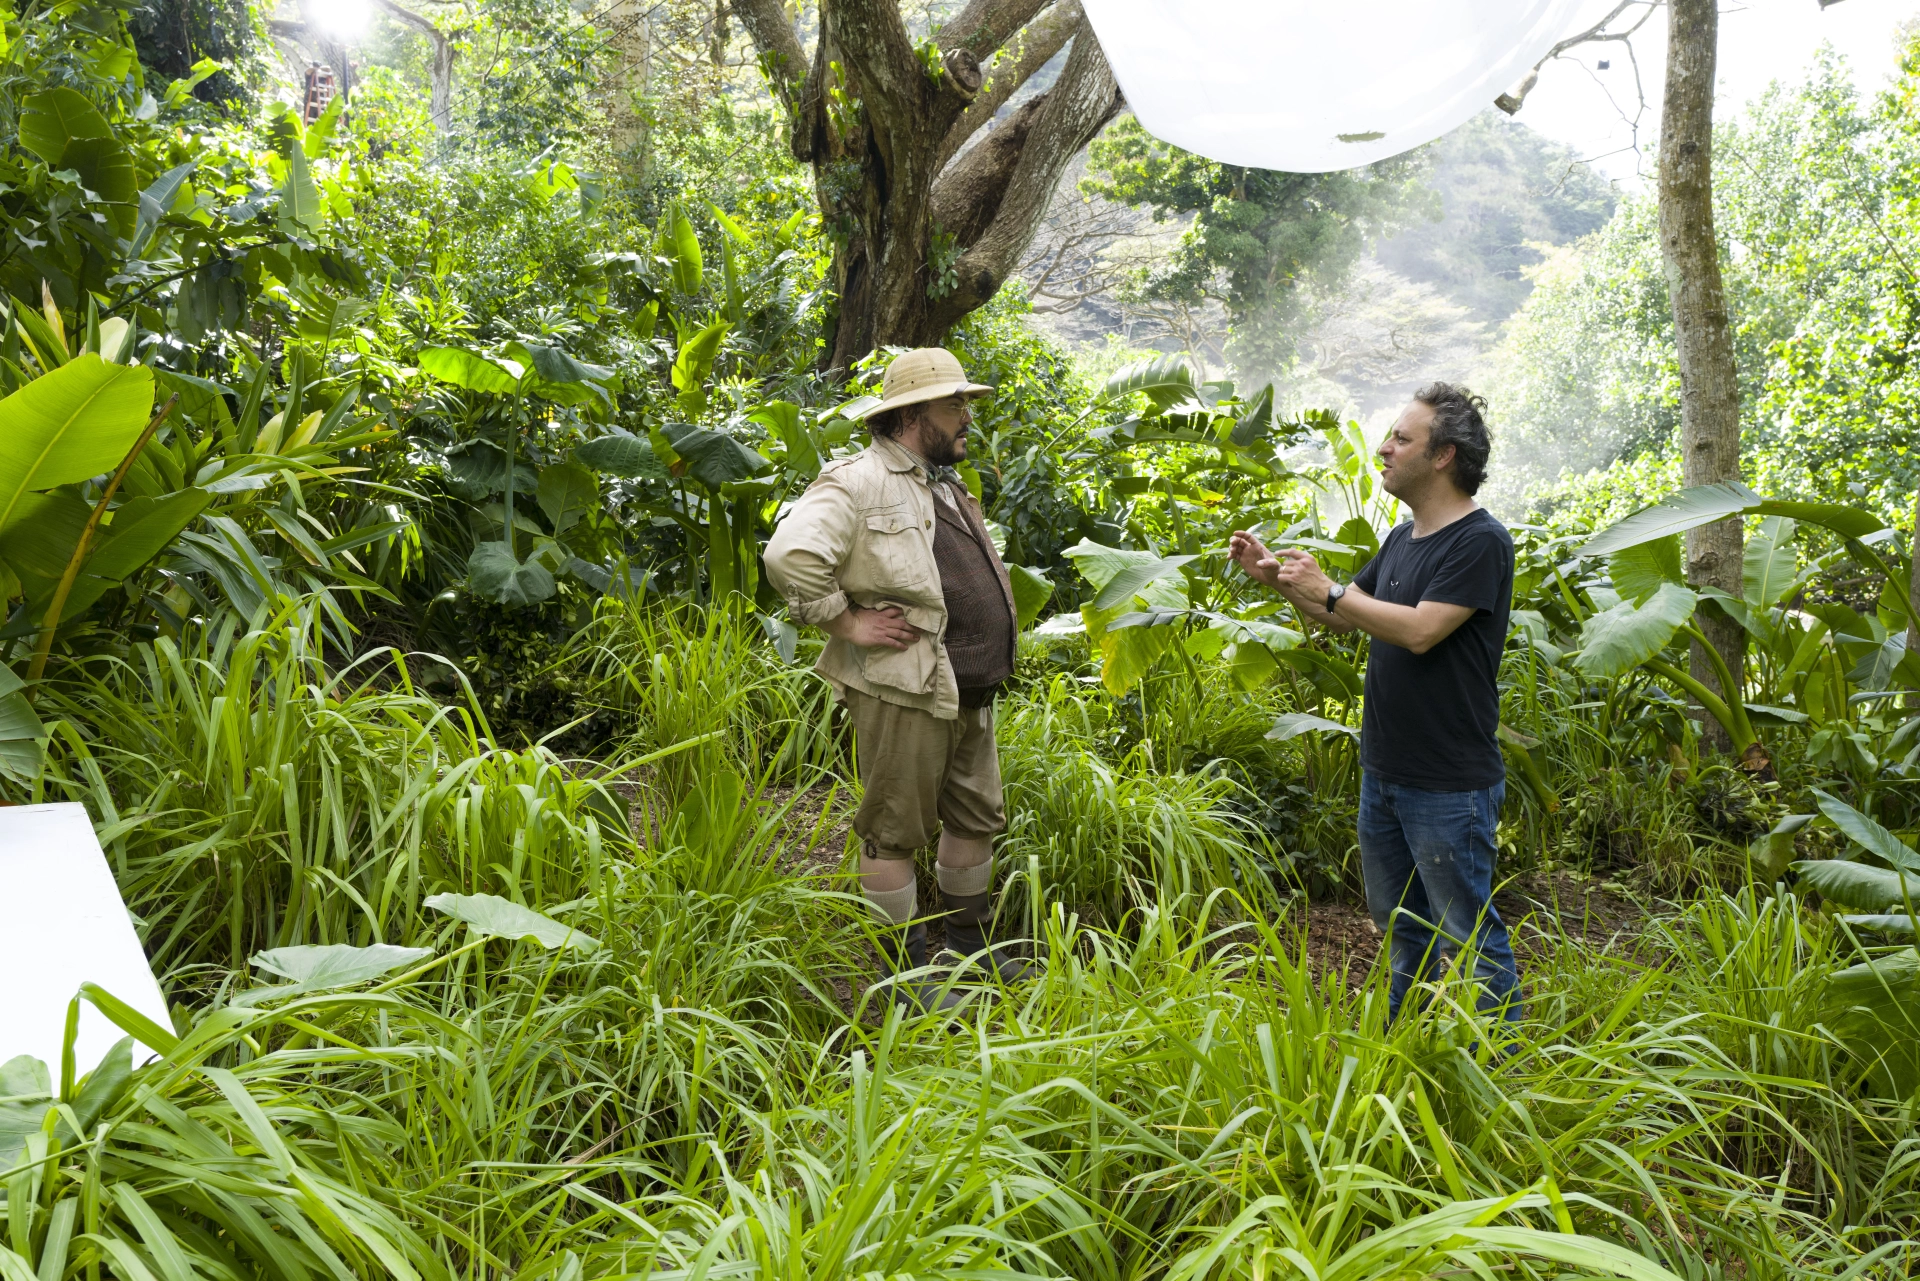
[{"x": 888, "y": 554}]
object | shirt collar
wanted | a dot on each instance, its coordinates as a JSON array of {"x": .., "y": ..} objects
[{"x": 899, "y": 458}]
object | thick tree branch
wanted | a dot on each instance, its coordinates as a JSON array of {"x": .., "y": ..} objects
[
  {"x": 440, "y": 103},
  {"x": 780, "y": 50},
  {"x": 872, "y": 43},
  {"x": 1068, "y": 117},
  {"x": 1031, "y": 50},
  {"x": 984, "y": 25},
  {"x": 967, "y": 197}
]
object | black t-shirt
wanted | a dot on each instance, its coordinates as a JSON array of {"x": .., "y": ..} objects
[{"x": 1430, "y": 719}]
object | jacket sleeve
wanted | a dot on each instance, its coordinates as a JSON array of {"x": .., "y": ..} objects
[{"x": 806, "y": 552}]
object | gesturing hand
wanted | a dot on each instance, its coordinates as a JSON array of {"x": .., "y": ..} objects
[
  {"x": 1252, "y": 556},
  {"x": 873, "y": 628},
  {"x": 1300, "y": 571}
]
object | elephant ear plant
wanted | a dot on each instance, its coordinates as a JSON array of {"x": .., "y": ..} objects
[
  {"x": 1650, "y": 607},
  {"x": 522, "y": 372}
]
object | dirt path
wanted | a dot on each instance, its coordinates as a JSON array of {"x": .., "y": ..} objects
[{"x": 1539, "y": 908}]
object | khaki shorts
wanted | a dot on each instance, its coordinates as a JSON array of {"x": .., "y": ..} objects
[{"x": 921, "y": 773}]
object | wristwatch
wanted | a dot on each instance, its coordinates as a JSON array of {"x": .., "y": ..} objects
[{"x": 1334, "y": 593}]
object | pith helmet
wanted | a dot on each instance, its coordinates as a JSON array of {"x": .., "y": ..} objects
[{"x": 923, "y": 374}]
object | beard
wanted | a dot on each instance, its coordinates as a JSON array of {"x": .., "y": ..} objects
[{"x": 947, "y": 451}]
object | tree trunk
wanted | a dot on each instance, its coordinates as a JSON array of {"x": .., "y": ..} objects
[
  {"x": 631, "y": 31},
  {"x": 440, "y": 103},
  {"x": 1709, "y": 388},
  {"x": 925, "y": 231}
]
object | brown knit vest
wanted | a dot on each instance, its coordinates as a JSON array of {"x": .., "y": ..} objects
[{"x": 980, "y": 629}]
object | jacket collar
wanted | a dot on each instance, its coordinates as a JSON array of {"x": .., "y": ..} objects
[{"x": 897, "y": 457}]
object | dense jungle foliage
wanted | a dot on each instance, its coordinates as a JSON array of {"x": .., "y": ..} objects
[{"x": 380, "y": 520}]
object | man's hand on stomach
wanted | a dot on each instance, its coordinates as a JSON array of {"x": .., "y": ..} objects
[{"x": 872, "y": 628}]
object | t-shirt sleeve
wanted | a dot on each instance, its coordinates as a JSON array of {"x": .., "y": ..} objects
[
  {"x": 1474, "y": 573},
  {"x": 1369, "y": 576}
]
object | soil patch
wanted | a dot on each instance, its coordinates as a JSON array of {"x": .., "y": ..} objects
[{"x": 1540, "y": 909}]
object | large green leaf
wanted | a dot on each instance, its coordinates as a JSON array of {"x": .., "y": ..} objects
[
  {"x": 1255, "y": 420},
  {"x": 65, "y": 130},
  {"x": 1866, "y": 833},
  {"x": 1332, "y": 676},
  {"x": 555, "y": 367},
  {"x": 26, "y": 1096},
  {"x": 1769, "y": 566},
  {"x": 1132, "y": 579},
  {"x": 682, "y": 250},
  {"x": 1875, "y": 1008},
  {"x": 141, "y": 530},
  {"x": 1892, "y": 923},
  {"x": 1031, "y": 592},
  {"x": 39, "y": 542},
  {"x": 1704, "y": 504},
  {"x": 1875, "y": 670},
  {"x": 318, "y": 967},
  {"x": 622, "y": 453},
  {"x": 320, "y": 132},
  {"x": 693, "y": 364},
  {"x": 1640, "y": 571},
  {"x": 1688, "y": 509},
  {"x": 1293, "y": 724},
  {"x": 337, "y": 964},
  {"x": 1163, "y": 380},
  {"x": 501, "y": 918},
  {"x": 782, "y": 418},
  {"x": 1100, "y": 564},
  {"x": 470, "y": 370},
  {"x": 1848, "y": 522},
  {"x": 1617, "y": 640},
  {"x": 52, "y": 120},
  {"x": 21, "y": 734},
  {"x": 300, "y": 206},
  {"x": 1855, "y": 885},
  {"x": 712, "y": 457},
  {"x": 69, "y": 425},
  {"x": 567, "y": 492},
  {"x": 493, "y": 573}
]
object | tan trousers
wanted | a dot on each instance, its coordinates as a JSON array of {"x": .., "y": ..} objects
[{"x": 920, "y": 773}]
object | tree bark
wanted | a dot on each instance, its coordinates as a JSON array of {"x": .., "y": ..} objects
[
  {"x": 921, "y": 238},
  {"x": 629, "y": 39},
  {"x": 1703, "y": 334}
]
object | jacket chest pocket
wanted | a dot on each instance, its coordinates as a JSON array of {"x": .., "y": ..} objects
[{"x": 894, "y": 541}]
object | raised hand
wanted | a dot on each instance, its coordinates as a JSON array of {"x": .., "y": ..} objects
[
  {"x": 1299, "y": 571},
  {"x": 1252, "y": 556}
]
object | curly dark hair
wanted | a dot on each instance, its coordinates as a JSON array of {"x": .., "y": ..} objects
[
  {"x": 889, "y": 423},
  {"x": 1459, "y": 419}
]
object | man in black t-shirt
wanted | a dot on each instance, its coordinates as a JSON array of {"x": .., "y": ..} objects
[{"x": 1435, "y": 601}]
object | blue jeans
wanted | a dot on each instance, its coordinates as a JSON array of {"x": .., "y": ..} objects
[{"x": 1428, "y": 862}]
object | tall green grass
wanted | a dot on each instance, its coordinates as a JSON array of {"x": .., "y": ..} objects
[
  {"x": 698, "y": 690},
  {"x": 248, "y": 797},
  {"x": 1112, "y": 836},
  {"x": 1181, "y": 1093}
]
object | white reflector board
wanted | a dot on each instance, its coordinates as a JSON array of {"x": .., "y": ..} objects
[
  {"x": 1309, "y": 87},
  {"x": 63, "y": 923}
]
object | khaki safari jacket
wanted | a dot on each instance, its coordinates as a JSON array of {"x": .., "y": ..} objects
[{"x": 863, "y": 534}]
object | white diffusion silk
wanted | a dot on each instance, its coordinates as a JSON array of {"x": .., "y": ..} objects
[{"x": 1311, "y": 87}]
